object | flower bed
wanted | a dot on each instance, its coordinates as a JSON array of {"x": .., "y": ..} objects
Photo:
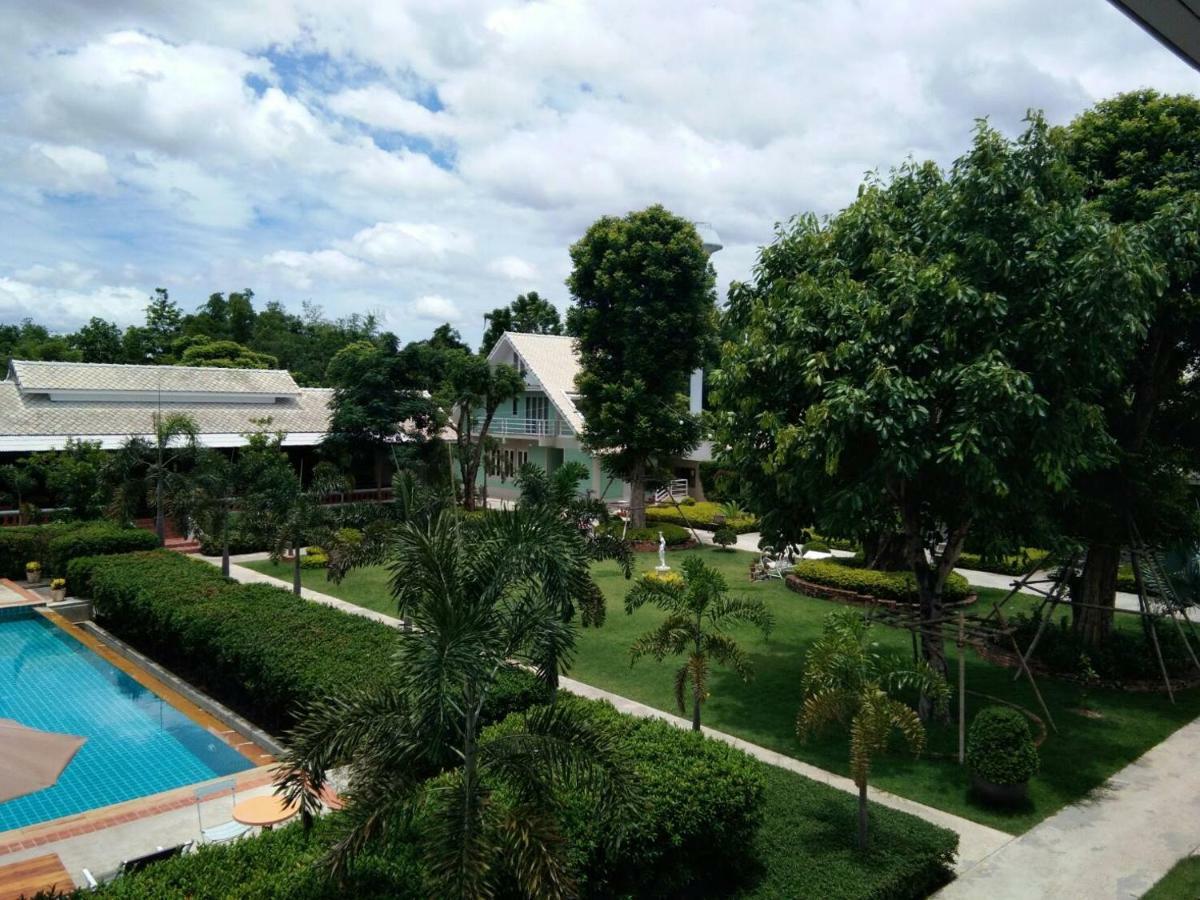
[{"x": 847, "y": 582}]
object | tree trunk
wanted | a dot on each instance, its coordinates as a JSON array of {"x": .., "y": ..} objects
[
  {"x": 160, "y": 521},
  {"x": 885, "y": 551},
  {"x": 637, "y": 496},
  {"x": 1096, "y": 587},
  {"x": 695, "y": 709},
  {"x": 296, "y": 568},
  {"x": 862, "y": 816},
  {"x": 932, "y": 649},
  {"x": 225, "y": 554}
]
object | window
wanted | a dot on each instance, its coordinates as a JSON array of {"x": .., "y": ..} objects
[
  {"x": 516, "y": 403},
  {"x": 504, "y": 464},
  {"x": 537, "y": 407}
]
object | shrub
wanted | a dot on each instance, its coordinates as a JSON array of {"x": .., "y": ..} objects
[
  {"x": 698, "y": 810},
  {"x": 847, "y": 575},
  {"x": 701, "y": 515},
  {"x": 817, "y": 547},
  {"x": 256, "y": 648},
  {"x": 314, "y": 558},
  {"x": 56, "y": 544},
  {"x": 1125, "y": 656},
  {"x": 1000, "y": 748},
  {"x": 674, "y": 534},
  {"x": 1012, "y": 564},
  {"x": 724, "y": 537},
  {"x": 275, "y": 864}
]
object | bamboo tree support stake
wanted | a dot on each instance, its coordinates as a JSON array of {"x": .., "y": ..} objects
[{"x": 962, "y": 694}]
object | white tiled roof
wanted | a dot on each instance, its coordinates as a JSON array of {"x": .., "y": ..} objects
[
  {"x": 552, "y": 360},
  {"x": 68, "y": 376}
]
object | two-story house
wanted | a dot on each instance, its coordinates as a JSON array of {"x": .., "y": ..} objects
[{"x": 542, "y": 425}]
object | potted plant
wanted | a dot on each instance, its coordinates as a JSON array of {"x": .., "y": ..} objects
[
  {"x": 1001, "y": 756},
  {"x": 58, "y": 589},
  {"x": 33, "y": 572}
]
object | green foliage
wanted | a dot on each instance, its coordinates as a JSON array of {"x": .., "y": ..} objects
[
  {"x": 56, "y": 544},
  {"x": 1009, "y": 564},
  {"x": 699, "y": 613},
  {"x": 674, "y": 535},
  {"x": 702, "y": 515},
  {"x": 724, "y": 537},
  {"x": 817, "y": 547},
  {"x": 275, "y": 864},
  {"x": 205, "y": 352},
  {"x": 528, "y": 314},
  {"x": 1000, "y": 748},
  {"x": 1182, "y": 882},
  {"x": 314, "y": 558},
  {"x": 73, "y": 477},
  {"x": 1125, "y": 656},
  {"x": 699, "y": 806},
  {"x": 644, "y": 315},
  {"x": 849, "y": 575}
]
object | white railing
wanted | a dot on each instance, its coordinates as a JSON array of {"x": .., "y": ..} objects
[
  {"x": 518, "y": 426},
  {"x": 676, "y": 489}
]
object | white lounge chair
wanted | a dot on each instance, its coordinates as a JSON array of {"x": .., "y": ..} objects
[
  {"x": 226, "y": 831},
  {"x": 137, "y": 864}
]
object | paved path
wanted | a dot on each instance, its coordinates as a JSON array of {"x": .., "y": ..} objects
[{"x": 1115, "y": 843}]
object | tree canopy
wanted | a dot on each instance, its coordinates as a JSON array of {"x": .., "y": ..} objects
[
  {"x": 645, "y": 317},
  {"x": 528, "y": 314},
  {"x": 934, "y": 358}
]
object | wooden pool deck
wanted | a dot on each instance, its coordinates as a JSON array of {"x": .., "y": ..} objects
[{"x": 26, "y": 878}]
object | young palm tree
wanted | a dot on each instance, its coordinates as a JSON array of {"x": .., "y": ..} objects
[
  {"x": 144, "y": 469},
  {"x": 478, "y": 596},
  {"x": 293, "y": 515},
  {"x": 205, "y": 498},
  {"x": 698, "y": 610},
  {"x": 847, "y": 678}
]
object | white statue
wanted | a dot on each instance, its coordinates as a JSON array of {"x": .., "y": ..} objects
[{"x": 662, "y": 553}]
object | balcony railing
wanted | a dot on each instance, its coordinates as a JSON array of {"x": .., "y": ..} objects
[{"x": 517, "y": 426}]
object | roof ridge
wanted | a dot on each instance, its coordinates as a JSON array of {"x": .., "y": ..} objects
[{"x": 72, "y": 362}]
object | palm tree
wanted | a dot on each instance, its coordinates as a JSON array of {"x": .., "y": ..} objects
[
  {"x": 698, "y": 610},
  {"x": 847, "y": 678},
  {"x": 478, "y": 596},
  {"x": 205, "y": 498},
  {"x": 143, "y": 470}
]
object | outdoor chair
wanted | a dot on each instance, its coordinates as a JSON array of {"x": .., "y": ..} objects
[
  {"x": 226, "y": 831},
  {"x": 136, "y": 864}
]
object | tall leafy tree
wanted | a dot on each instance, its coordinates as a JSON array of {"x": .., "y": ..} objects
[
  {"x": 469, "y": 396},
  {"x": 375, "y": 395},
  {"x": 935, "y": 356},
  {"x": 19, "y": 481},
  {"x": 1138, "y": 153},
  {"x": 644, "y": 315},
  {"x": 528, "y": 314},
  {"x": 478, "y": 596},
  {"x": 74, "y": 476},
  {"x": 699, "y": 610},
  {"x": 201, "y": 351},
  {"x": 848, "y": 680},
  {"x": 164, "y": 323},
  {"x": 99, "y": 341},
  {"x": 205, "y": 499}
]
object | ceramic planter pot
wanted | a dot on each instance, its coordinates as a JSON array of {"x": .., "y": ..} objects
[
  {"x": 33, "y": 577},
  {"x": 1001, "y": 795},
  {"x": 59, "y": 594}
]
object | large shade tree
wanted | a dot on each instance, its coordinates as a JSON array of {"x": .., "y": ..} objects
[
  {"x": 1139, "y": 154},
  {"x": 644, "y": 315},
  {"x": 528, "y": 314},
  {"x": 934, "y": 357}
]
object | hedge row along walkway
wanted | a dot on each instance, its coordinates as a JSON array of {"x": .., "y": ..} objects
[{"x": 975, "y": 841}]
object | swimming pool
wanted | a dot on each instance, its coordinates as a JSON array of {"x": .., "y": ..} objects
[{"x": 137, "y": 744}]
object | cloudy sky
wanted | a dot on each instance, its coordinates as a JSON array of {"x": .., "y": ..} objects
[{"x": 429, "y": 159}]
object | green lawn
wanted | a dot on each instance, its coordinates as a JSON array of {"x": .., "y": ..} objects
[
  {"x": 1181, "y": 883},
  {"x": 365, "y": 587},
  {"x": 1100, "y": 731}
]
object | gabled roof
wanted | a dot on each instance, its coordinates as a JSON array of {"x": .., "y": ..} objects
[
  {"x": 52, "y": 377},
  {"x": 551, "y": 359}
]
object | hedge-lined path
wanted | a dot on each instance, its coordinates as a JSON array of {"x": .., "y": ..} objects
[
  {"x": 1116, "y": 843},
  {"x": 975, "y": 841},
  {"x": 250, "y": 576}
]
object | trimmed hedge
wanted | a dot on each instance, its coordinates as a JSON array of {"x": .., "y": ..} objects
[
  {"x": 699, "y": 807},
  {"x": 1013, "y": 564},
  {"x": 849, "y": 575},
  {"x": 674, "y": 534},
  {"x": 1000, "y": 747},
  {"x": 56, "y": 544},
  {"x": 699, "y": 515},
  {"x": 256, "y": 648},
  {"x": 275, "y": 864}
]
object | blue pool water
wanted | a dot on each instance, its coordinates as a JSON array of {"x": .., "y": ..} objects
[{"x": 137, "y": 744}]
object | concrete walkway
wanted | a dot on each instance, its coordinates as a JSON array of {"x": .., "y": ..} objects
[{"x": 1113, "y": 844}]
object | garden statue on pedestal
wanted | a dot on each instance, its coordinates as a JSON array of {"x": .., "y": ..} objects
[{"x": 662, "y": 554}]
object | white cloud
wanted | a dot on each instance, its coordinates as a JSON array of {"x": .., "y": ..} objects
[
  {"x": 395, "y": 243},
  {"x": 67, "y": 169},
  {"x": 63, "y": 307},
  {"x": 435, "y": 308},
  {"x": 513, "y": 268},
  {"x": 380, "y": 107},
  {"x": 304, "y": 269}
]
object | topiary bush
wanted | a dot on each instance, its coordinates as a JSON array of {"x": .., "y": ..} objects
[
  {"x": 724, "y": 537},
  {"x": 256, "y": 648},
  {"x": 850, "y": 576},
  {"x": 1000, "y": 747},
  {"x": 699, "y": 807}
]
